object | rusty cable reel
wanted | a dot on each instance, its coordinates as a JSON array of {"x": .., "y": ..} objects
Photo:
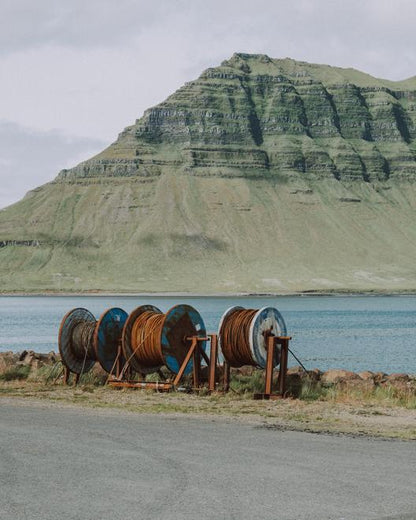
[
  {"x": 83, "y": 340},
  {"x": 152, "y": 339},
  {"x": 107, "y": 338},
  {"x": 242, "y": 335}
]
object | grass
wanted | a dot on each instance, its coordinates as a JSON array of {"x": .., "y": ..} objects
[
  {"x": 247, "y": 384},
  {"x": 384, "y": 411},
  {"x": 15, "y": 373},
  {"x": 394, "y": 396},
  {"x": 310, "y": 390},
  {"x": 388, "y": 395},
  {"x": 243, "y": 386},
  {"x": 321, "y": 416}
]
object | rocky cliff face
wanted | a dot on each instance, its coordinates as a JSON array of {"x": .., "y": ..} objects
[
  {"x": 261, "y": 175},
  {"x": 254, "y": 116}
]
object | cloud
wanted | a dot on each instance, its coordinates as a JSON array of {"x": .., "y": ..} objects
[
  {"x": 26, "y": 24},
  {"x": 29, "y": 158},
  {"x": 90, "y": 68},
  {"x": 372, "y": 34}
]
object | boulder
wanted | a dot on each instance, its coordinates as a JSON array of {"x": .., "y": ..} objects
[
  {"x": 7, "y": 360},
  {"x": 292, "y": 371},
  {"x": 29, "y": 358},
  {"x": 98, "y": 372},
  {"x": 314, "y": 375},
  {"x": 294, "y": 379},
  {"x": 53, "y": 357},
  {"x": 245, "y": 370},
  {"x": 22, "y": 355},
  {"x": 36, "y": 360},
  {"x": 394, "y": 378},
  {"x": 332, "y": 377},
  {"x": 360, "y": 385},
  {"x": 367, "y": 375},
  {"x": 380, "y": 377}
]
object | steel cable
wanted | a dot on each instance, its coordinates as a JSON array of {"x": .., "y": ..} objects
[
  {"x": 235, "y": 337},
  {"x": 82, "y": 340},
  {"x": 146, "y": 339}
]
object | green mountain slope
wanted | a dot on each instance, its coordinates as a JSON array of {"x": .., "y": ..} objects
[{"x": 260, "y": 176}]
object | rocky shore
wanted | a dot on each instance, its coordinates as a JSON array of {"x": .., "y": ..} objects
[
  {"x": 332, "y": 402},
  {"x": 21, "y": 365},
  {"x": 34, "y": 360},
  {"x": 365, "y": 381}
]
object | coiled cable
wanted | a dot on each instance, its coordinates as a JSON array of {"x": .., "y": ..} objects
[{"x": 234, "y": 337}]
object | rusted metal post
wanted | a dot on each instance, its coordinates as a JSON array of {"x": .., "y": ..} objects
[
  {"x": 284, "y": 342},
  {"x": 159, "y": 386},
  {"x": 271, "y": 344},
  {"x": 195, "y": 352},
  {"x": 66, "y": 375},
  {"x": 118, "y": 360},
  {"x": 196, "y": 368},
  {"x": 213, "y": 358},
  {"x": 186, "y": 361},
  {"x": 226, "y": 376}
]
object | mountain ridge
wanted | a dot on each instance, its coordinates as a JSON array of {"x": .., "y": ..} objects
[{"x": 282, "y": 175}]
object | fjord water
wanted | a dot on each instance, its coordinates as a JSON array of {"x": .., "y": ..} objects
[{"x": 352, "y": 332}]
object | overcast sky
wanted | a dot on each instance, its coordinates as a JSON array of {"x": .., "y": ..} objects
[{"x": 74, "y": 73}]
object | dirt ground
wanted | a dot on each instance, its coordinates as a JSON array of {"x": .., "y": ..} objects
[{"x": 348, "y": 416}]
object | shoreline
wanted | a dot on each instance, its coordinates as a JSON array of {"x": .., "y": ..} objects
[{"x": 157, "y": 294}]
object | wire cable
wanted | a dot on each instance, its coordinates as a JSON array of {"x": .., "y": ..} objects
[
  {"x": 146, "y": 339},
  {"x": 234, "y": 336}
]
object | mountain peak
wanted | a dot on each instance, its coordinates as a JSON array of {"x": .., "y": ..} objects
[
  {"x": 261, "y": 175},
  {"x": 252, "y": 110}
]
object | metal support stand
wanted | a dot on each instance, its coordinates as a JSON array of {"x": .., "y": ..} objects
[
  {"x": 272, "y": 342},
  {"x": 226, "y": 376},
  {"x": 213, "y": 362},
  {"x": 195, "y": 352},
  {"x": 67, "y": 374},
  {"x": 119, "y": 357}
]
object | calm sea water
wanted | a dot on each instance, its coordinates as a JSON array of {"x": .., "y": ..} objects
[{"x": 354, "y": 332}]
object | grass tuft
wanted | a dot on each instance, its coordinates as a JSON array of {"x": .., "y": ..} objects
[
  {"x": 312, "y": 391},
  {"x": 248, "y": 384},
  {"x": 15, "y": 373},
  {"x": 387, "y": 395}
]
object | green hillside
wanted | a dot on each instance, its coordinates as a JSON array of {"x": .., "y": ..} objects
[{"x": 262, "y": 175}]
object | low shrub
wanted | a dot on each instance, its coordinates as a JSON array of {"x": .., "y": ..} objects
[{"x": 16, "y": 372}]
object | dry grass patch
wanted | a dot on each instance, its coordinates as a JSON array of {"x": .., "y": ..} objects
[{"x": 336, "y": 412}]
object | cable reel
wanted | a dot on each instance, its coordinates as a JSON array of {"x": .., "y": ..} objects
[
  {"x": 83, "y": 340},
  {"x": 152, "y": 339},
  {"x": 243, "y": 335}
]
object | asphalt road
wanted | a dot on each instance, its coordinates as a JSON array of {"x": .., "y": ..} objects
[{"x": 68, "y": 463}]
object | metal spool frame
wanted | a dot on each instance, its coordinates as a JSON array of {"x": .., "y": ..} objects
[
  {"x": 267, "y": 321},
  {"x": 65, "y": 341},
  {"x": 269, "y": 347},
  {"x": 107, "y": 337},
  {"x": 180, "y": 323},
  {"x": 182, "y": 340},
  {"x": 105, "y": 341},
  {"x": 127, "y": 348}
]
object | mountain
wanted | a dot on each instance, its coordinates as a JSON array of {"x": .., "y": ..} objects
[{"x": 262, "y": 175}]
